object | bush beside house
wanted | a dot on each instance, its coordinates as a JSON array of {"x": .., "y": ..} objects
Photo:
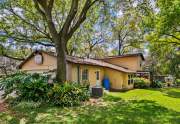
[
  {"x": 141, "y": 83},
  {"x": 177, "y": 82},
  {"x": 157, "y": 84},
  {"x": 35, "y": 87}
]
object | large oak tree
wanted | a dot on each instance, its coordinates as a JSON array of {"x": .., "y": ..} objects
[{"x": 45, "y": 22}]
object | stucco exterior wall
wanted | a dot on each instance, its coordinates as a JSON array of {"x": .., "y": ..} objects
[
  {"x": 125, "y": 84},
  {"x": 132, "y": 63},
  {"x": 91, "y": 73},
  {"x": 49, "y": 63},
  {"x": 69, "y": 72},
  {"x": 117, "y": 79}
]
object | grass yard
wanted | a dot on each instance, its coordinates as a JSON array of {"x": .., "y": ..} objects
[{"x": 140, "y": 106}]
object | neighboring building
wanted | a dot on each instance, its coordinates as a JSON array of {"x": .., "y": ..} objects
[
  {"x": 7, "y": 65},
  {"x": 119, "y": 69}
]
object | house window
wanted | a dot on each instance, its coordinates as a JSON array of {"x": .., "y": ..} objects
[
  {"x": 38, "y": 59},
  {"x": 141, "y": 64},
  {"x": 85, "y": 74},
  {"x": 97, "y": 75},
  {"x": 130, "y": 79}
]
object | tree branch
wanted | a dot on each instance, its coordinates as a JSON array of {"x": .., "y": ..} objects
[
  {"x": 50, "y": 5},
  {"x": 33, "y": 42},
  {"x": 15, "y": 58},
  {"x": 47, "y": 15},
  {"x": 23, "y": 38},
  {"x": 82, "y": 17},
  {"x": 30, "y": 24},
  {"x": 3, "y": 53},
  {"x": 173, "y": 36},
  {"x": 70, "y": 17}
]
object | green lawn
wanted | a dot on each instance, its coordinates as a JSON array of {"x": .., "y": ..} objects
[{"x": 140, "y": 106}]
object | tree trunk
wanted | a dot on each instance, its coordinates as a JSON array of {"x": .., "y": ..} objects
[
  {"x": 120, "y": 45},
  {"x": 61, "y": 61}
]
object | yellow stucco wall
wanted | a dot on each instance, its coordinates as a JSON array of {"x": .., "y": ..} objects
[
  {"x": 117, "y": 79},
  {"x": 91, "y": 73},
  {"x": 132, "y": 63},
  {"x": 125, "y": 84},
  {"x": 49, "y": 63}
]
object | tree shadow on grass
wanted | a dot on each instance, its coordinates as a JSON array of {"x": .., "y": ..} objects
[
  {"x": 115, "y": 112},
  {"x": 170, "y": 92},
  {"x": 132, "y": 112},
  {"x": 111, "y": 98}
]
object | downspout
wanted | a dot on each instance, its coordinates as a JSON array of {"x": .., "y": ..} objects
[{"x": 78, "y": 73}]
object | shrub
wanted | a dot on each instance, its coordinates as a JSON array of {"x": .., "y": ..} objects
[
  {"x": 68, "y": 94},
  {"x": 35, "y": 87},
  {"x": 10, "y": 83},
  {"x": 27, "y": 86},
  {"x": 177, "y": 82},
  {"x": 157, "y": 84},
  {"x": 141, "y": 83}
]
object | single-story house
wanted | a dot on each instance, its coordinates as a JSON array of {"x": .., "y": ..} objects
[{"x": 119, "y": 69}]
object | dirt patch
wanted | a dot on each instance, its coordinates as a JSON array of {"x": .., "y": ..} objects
[
  {"x": 3, "y": 107},
  {"x": 95, "y": 101}
]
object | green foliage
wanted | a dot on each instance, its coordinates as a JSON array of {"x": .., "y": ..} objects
[
  {"x": 161, "y": 26},
  {"x": 168, "y": 17},
  {"x": 177, "y": 82},
  {"x": 68, "y": 94},
  {"x": 141, "y": 83},
  {"x": 127, "y": 31},
  {"x": 9, "y": 84},
  {"x": 174, "y": 65},
  {"x": 35, "y": 87},
  {"x": 27, "y": 86},
  {"x": 25, "y": 25},
  {"x": 28, "y": 105},
  {"x": 157, "y": 84}
]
